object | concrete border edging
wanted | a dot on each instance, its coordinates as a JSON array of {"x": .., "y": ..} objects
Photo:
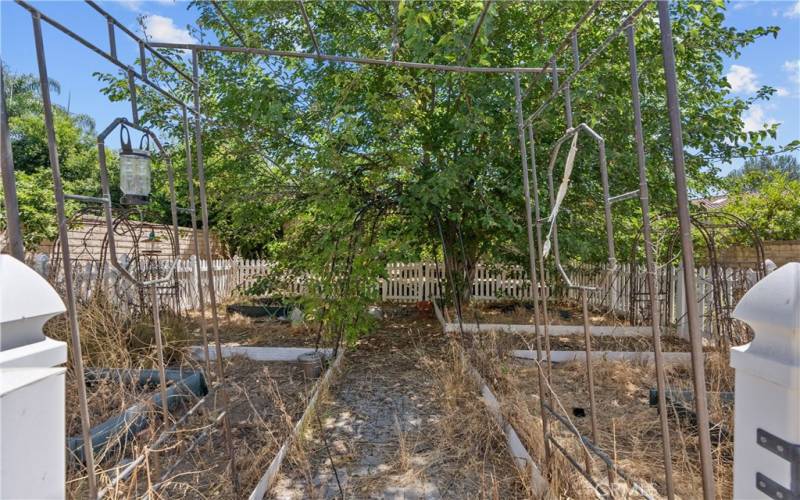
[
  {"x": 258, "y": 353},
  {"x": 553, "y": 330},
  {"x": 672, "y": 358}
]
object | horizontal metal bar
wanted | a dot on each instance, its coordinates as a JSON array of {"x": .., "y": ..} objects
[
  {"x": 624, "y": 196},
  {"x": 140, "y": 40},
  {"x": 575, "y": 465},
  {"x": 97, "y": 50},
  {"x": 344, "y": 59},
  {"x": 87, "y": 199},
  {"x": 571, "y": 77}
]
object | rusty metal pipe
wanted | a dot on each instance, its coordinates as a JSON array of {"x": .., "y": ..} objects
[
  {"x": 687, "y": 250},
  {"x": 644, "y": 200},
  {"x": 532, "y": 266},
  {"x": 63, "y": 238}
]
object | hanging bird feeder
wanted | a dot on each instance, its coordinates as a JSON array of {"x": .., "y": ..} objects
[{"x": 134, "y": 169}]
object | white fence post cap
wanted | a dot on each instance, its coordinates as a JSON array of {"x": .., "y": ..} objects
[
  {"x": 772, "y": 309},
  {"x": 27, "y": 301}
]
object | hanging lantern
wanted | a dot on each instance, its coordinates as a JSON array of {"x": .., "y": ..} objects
[{"x": 134, "y": 170}]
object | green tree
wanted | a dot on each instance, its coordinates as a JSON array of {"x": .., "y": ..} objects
[
  {"x": 761, "y": 167},
  {"x": 299, "y": 152},
  {"x": 76, "y": 149},
  {"x": 769, "y": 201}
]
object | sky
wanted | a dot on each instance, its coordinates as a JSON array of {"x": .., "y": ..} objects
[{"x": 773, "y": 62}]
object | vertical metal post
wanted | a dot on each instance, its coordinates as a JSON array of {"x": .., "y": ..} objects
[
  {"x": 532, "y": 266},
  {"x": 576, "y": 58},
  {"x": 193, "y": 214},
  {"x": 198, "y": 131},
  {"x": 567, "y": 94},
  {"x": 174, "y": 213},
  {"x": 587, "y": 337},
  {"x": 687, "y": 249},
  {"x": 63, "y": 238},
  {"x": 160, "y": 348},
  {"x": 132, "y": 91},
  {"x": 644, "y": 200},
  {"x": 542, "y": 273},
  {"x": 112, "y": 40},
  {"x": 612, "y": 257},
  {"x": 142, "y": 60},
  {"x": 13, "y": 225}
]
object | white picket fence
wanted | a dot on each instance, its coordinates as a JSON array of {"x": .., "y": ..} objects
[
  {"x": 415, "y": 281},
  {"x": 623, "y": 291}
]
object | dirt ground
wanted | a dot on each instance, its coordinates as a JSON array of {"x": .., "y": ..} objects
[
  {"x": 638, "y": 343},
  {"x": 628, "y": 428},
  {"x": 265, "y": 401},
  {"x": 563, "y": 313},
  {"x": 402, "y": 422},
  {"x": 239, "y": 329}
]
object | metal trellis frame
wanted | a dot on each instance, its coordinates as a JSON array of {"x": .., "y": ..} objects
[{"x": 532, "y": 219}]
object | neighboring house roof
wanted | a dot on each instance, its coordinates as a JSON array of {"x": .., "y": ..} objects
[{"x": 712, "y": 202}]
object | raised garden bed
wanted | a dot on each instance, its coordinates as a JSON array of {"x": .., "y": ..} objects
[{"x": 628, "y": 427}]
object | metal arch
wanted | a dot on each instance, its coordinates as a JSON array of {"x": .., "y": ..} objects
[
  {"x": 113, "y": 22},
  {"x": 573, "y": 34},
  {"x": 706, "y": 223},
  {"x": 552, "y": 218}
]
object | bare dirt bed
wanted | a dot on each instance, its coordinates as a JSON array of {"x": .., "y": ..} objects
[
  {"x": 235, "y": 328},
  {"x": 562, "y": 313},
  {"x": 266, "y": 399},
  {"x": 628, "y": 427},
  {"x": 638, "y": 343},
  {"x": 402, "y": 421}
]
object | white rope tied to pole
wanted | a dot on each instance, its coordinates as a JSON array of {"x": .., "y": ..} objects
[{"x": 562, "y": 191}]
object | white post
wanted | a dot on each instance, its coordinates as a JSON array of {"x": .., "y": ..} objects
[
  {"x": 32, "y": 442},
  {"x": 766, "y": 457}
]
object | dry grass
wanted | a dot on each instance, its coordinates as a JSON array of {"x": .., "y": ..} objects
[
  {"x": 265, "y": 401},
  {"x": 628, "y": 427},
  {"x": 468, "y": 435}
]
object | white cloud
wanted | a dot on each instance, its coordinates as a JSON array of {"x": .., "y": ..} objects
[
  {"x": 781, "y": 92},
  {"x": 742, "y": 79},
  {"x": 136, "y": 5},
  {"x": 163, "y": 29},
  {"x": 755, "y": 118},
  {"x": 794, "y": 11},
  {"x": 793, "y": 68}
]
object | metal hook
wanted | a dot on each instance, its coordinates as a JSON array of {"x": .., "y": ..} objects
[{"x": 126, "y": 145}]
